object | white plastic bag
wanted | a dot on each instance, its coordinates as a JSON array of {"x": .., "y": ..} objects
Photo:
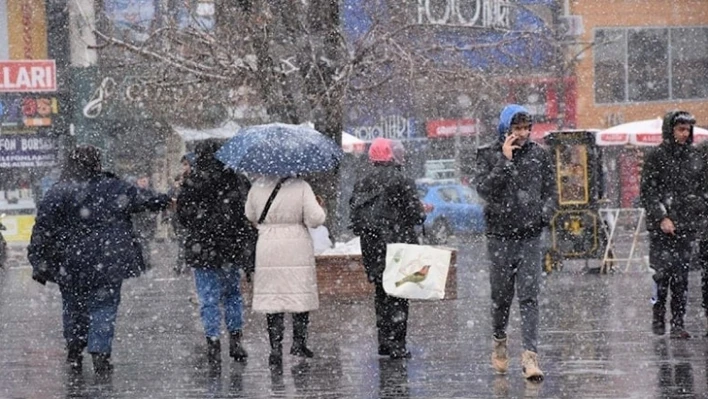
[
  {"x": 416, "y": 271},
  {"x": 320, "y": 239}
]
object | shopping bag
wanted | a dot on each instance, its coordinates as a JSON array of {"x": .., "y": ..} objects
[{"x": 416, "y": 271}]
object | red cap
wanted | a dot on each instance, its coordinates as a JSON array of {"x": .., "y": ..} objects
[{"x": 380, "y": 150}]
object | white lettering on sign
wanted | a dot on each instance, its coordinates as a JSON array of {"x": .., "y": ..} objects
[
  {"x": 393, "y": 127},
  {"x": 8, "y": 144},
  {"x": 481, "y": 13},
  {"x": 37, "y": 144},
  {"x": 27, "y": 76}
]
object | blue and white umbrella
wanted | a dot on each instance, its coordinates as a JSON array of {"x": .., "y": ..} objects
[{"x": 279, "y": 149}]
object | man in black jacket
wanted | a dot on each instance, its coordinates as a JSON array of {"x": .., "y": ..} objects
[
  {"x": 516, "y": 179},
  {"x": 385, "y": 209},
  {"x": 211, "y": 207},
  {"x": 673, "y": 193}
]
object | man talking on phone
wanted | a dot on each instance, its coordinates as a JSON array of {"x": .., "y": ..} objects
[{"x": 515, "y": 176}]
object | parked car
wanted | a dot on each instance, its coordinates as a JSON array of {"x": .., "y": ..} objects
[{"x": 452, "y": 209}]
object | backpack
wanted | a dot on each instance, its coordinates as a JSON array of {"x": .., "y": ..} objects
[{"x": 371, "y": 214}]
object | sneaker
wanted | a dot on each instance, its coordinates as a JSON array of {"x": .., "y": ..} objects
[
  {"x": 679, "y": 333},
  {"x": 529, "y": 366},
  {"x": 500, "y": 356}
]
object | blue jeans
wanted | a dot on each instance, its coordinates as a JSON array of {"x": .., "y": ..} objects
[
  {"x": 215, "y": 286},
  {"x": 89, "y": 316}
]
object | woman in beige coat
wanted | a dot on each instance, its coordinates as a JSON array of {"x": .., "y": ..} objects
[{"x": 285, "y": 278}]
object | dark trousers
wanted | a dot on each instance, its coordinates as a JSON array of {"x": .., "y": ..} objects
[
  {"x": 670, "y": 257},
  {"x": 89, "y": 317},
  {"x": 276, "y": 328},
  {"x": 703, "y": 260},
  {"x": 391, "y": 319},
  {"x": 391, "y": 312}
]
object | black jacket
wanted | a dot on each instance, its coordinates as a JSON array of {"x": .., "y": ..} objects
[
  {"x": 83, "y": 235},
  {"x": 211, "y": 207},
  {"x": 520, "y": 194},
  {"x": 384, "y": 209},
  {"x": 674, "y": 183}
]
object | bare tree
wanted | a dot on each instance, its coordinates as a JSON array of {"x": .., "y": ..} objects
[{"x": 292, "y": 59}]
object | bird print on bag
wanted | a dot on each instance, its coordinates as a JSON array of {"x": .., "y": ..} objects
[{"x": 417, "y": 277}]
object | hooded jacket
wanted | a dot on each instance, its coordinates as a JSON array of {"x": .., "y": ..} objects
[
  {"x": 520, "y": 193},
  {"x": 83, "y": 234},
  {"x": 674, "y": 182},
  {"x": 211, "y": 207}
]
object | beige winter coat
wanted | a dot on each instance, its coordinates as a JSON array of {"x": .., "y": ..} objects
[{"x": 285, "y": 279}]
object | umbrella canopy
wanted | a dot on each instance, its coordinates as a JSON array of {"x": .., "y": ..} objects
[
  {"x": 641, "y": 133},
  {"x": 352, "y": 144},
  {"x": 279, "y": 149}
]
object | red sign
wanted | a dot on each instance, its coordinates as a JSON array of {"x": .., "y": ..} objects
[
  {"x": 28, "y": 76},
  {"x": 452, "y": 127}
]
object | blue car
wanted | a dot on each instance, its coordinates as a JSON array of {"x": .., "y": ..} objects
[{"x": 452, "y": 209}]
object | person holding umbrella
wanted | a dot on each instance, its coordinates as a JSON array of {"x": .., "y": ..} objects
[{"x": 283, "y": 206}]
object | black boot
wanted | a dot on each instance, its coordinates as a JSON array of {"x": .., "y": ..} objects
[
  {"x": 299, "y": 348},
  {"x": 275, "y": 335},
  {"x": 236, "y": 350},
  {"x": 101, "y": 364},
  {"x": 74, "y": 357},
  {"x": 213, "y": 351},
  {"x": 658, "y": 323}
]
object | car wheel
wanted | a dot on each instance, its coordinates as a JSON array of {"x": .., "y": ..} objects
[{"x": 440, "y": 233}]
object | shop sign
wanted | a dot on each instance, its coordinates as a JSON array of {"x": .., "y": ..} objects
[
  {"x": 27, "y": 111},
  {"x": 21, "y": 151},
  {"x": 479, "y": 13},
  {"x": 452, "y": 127},
  {"x": 394, "y": 127},
  {"x": 28, "y": 76}
]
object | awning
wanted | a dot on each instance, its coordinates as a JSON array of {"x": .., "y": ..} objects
[{"x": 227, "y": 130}]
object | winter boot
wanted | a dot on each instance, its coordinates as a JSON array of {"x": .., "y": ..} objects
[
  {"x": 299, "y": 348},
  {"x": 275, "y": 336},
  {"x": 101, "y": 364},
  {"x": 658, "y": 323},
  {"x": 74, "y": 357},
  {"x": 679, "y": 333},
  {"x": 236, "y": 350},
  {"x": 213, "y": 350},
  {"x": 529, "y": 366},
  {"x": 500, "y": 356}
]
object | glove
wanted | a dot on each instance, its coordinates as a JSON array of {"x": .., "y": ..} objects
[{"x": 39, "y": 276}]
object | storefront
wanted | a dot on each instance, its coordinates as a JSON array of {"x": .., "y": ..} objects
[{"x": 32, "y": 114}]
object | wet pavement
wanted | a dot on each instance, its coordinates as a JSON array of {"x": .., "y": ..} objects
[{"x": 595, "y": 342}]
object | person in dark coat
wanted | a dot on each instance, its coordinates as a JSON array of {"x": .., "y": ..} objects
[
  {"x": 385, "y": 209},
  {"x": 83, "y": 241},
  {"x": 179, "y": 232},
  {"x": 674, "y": 191},
  {"x": 516, "y": 179},
  {"x": 219, "y": 242},
  {"x": 145, "y": 223}
]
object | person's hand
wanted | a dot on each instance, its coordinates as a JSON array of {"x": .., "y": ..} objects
[
  {"x": 509, "y": 146},
  {"x": 667, "y": 226},
  {"x": 39, "y": 277},
  {"x": 320, "y": 201},
  {"x": 173, "y": 205}
]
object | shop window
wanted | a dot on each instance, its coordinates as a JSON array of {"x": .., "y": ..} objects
[
  {"x": 689, "y": 63},
  {"x": 652, "y": 64},
  {"x": 647, "y": 64},
  {"x": 610, "y": 72}
]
